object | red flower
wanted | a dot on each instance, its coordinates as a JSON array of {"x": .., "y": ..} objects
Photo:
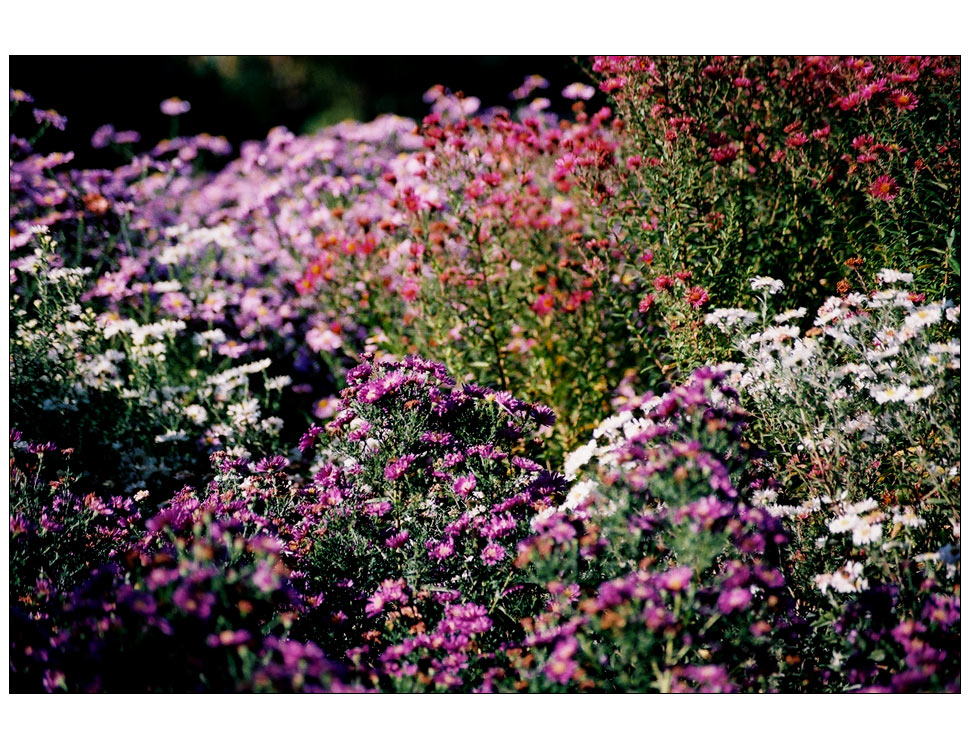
[
  {"x": 884, "y": 188},
  {"x": 646, "y": 303}
]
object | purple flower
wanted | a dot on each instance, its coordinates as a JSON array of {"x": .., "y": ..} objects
[
  {"x": 175, "y": 106},
  {"x": 676, "y": 579},
  {"x": 733, "y": 600},
  {"x": 271, "y": 463},
  {"x": 464, "y": 485},
  {"x": 397, "y": 540},
  {"x": 103, "y": 136},
  {"x": 493, "y": 554},
  {"x": 440, "y": 550},
  {"x": 50, "y": 117},
  {"x": 396, "y": 469}
]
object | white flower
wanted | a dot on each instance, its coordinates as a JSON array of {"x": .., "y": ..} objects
[
  {"x": 725, "y": 318},
  {"x": 889, "y": 276},
  {"x": 953, "y": 314},
  {"x": 578, "y": 494},
  {"x": 896, "y": 392},
  {"x": 578, "y": 458},
  {"x": 923, "y": 316},
  {"x": 611, "y": 424},
  {"x": 772, "y": 286},
  {"x": 790, "y": 315},
  {"x": 865, "y": 533},
  {"x": 919, "y": 393},
  {"x": 245, "y": 412},
  {"x": 909, "y": 518},
  {"x": 763, "y": 497},
  {"x": 863, "y": 506},
  {"x": 279, "y": 383},
  {"x": 843, "y": 523},
  {"x": 196, "y": 413},
  {"x": 171, "y": 435}
]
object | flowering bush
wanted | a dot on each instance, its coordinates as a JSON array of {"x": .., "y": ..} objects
[
  {"x": 426, "y": 487},
  {"x": 860, "y": 411},
  {"x": 457, "y": 316},
  {"x": 785, "y": 166},
  {"x": 661, "y": 574},
  {"x": 104, "y": 383}
]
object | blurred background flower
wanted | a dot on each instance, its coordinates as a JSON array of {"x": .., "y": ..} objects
[{"x": 242, "y": 97}]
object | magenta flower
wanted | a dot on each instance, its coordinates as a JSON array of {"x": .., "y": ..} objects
[
  {"x": 493, "y": 554},
  {"x": 884, "y": 188},
  {"x": 733, "y": 600},
  {"x": 464, "y": 485},
  {"x": 396, "y": 469}
]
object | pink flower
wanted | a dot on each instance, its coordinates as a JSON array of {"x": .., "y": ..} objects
[
  {"x": 175, "y": 106},
  {"x": 646, "y": 303},
  {"x": 544, "y": 304},
  {"x": 578, "y": 91},
  {"x": 884, "y": 188},
  {"x": 904, "y": 100},
  {"x": 696, "y": 296}
]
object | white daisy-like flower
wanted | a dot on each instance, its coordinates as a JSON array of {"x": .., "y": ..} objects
[
  {"x": 790, "y": 315},
  {"x": 578, "y": 459},
  {"x": 889, "y": 276},
  {"x": 919, "y": 393},
  {"x": 923, "y": 316},
  {"x": 842, "y": 524},
  {"x": 763, "y": 497},
  {"x": 865, "y": 533},
  {"x": 896, "y": 392},
  {"x": 196, "y": 413},
  {"x": 909, "y": 518},
  {"x": 772, "y": 286}
]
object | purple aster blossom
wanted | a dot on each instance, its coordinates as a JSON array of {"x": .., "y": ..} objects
[
  {"x": 733, "y": 600},
  {"x": 371, "y": 392},
  {"x": 543, "y": 415},
  {"x": 396, "y": 469},
  {"x": 437, "y": 438},
  {"x": 173, "y": 106},
  {"x": 526, "y": 464},
  {"x": 440, "y": 550},
  {"x": 16, "y": 95},
  {"x": 51, "y": 117},
  {"x": 397, "y": 540},
  {"x": 452, "y": 460},
  {"x": 379, "y": 508},
  {"x": 560, "y": 669},
  {"x": 103, "y": 136},
  {"x": 487, "y": 451},
  {"x": 499, "y": 526},
  {"x": 126, "y": 136},
  {"x": 464, "y": 485},
  {"x": 493, "y": 554},
  {"x": 308, "y": 438},
  {"x": 676, "y": 579},
  {"x": 271, "y": 463}
]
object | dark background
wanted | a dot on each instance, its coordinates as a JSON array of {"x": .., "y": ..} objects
[{"x": 242, "y": 97}]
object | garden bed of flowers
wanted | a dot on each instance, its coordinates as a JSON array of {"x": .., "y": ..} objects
[{"x": 659, "y": 395}]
